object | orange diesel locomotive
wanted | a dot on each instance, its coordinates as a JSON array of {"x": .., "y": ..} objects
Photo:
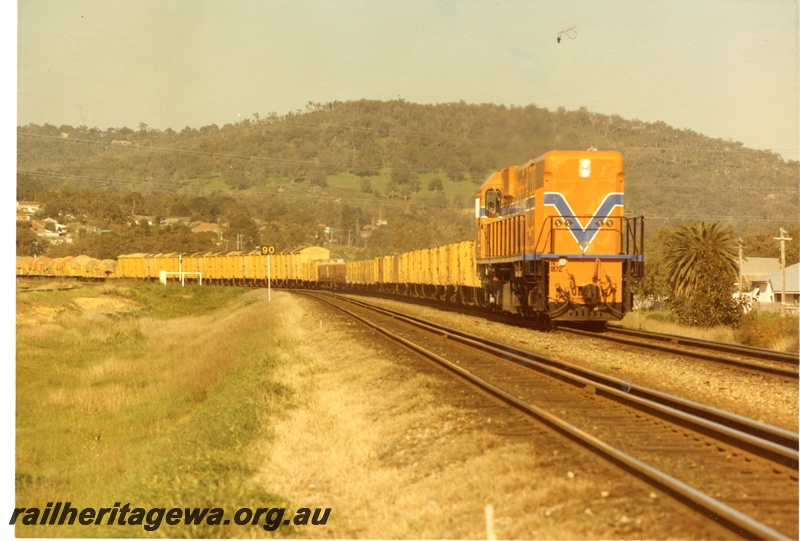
[{"x": 553, "y": 242}]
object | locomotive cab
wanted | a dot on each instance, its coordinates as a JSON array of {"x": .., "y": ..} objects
[{"x": 489, "y": 199}]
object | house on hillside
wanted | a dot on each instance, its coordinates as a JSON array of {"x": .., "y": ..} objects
[
  {"x": 51, "y": 231},
  {"x": 26, "y": 209},
  {"x": 186, "y": 220},
  {"x": 206, "y": 227},
  {"x": 140, "y": 219}
]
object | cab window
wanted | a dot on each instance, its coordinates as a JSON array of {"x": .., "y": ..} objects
[{"x": 493, "y": 199}]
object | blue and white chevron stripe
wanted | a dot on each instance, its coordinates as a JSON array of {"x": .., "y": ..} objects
[{"x": 583, "y": 235}]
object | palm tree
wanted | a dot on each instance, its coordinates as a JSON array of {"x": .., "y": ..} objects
[{"x": 701, "y": 253}]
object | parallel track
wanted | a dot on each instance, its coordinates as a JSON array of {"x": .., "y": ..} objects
[
  {"x": 744, "y": 440},
  {"x": 780, "y": 363},
  {"x": 757, "y": 360},
  {"x": 792, "y": 359}
]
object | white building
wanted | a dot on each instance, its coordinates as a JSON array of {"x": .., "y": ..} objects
[{"x": 769, "y": 286}]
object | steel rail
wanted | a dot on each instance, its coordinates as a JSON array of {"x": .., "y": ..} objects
[
  {"x": 733, "y": 519},
  {"x": 725, "y": 347},
  {"x": 772, "y": 442},
  {"x": 774, "y": 370}
]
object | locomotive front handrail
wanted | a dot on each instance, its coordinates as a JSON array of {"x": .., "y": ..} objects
[{"x": 630, "y": 231}]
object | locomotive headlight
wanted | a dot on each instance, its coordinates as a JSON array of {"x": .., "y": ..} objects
[
  {"x": 562, "y": 261},
  {"x": 558, "y": 223},
  {"x": 610, "y": 223},
  {"x": 585, "y": 168},
  {"x": 599, "y": 223},
  {"x": 568, "y": 222}
]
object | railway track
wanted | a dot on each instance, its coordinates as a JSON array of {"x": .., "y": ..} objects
[
  {"x": 764, "y": 361},
  {"x": 752, "y": 359},
  {"x": 737, "y": 471}
]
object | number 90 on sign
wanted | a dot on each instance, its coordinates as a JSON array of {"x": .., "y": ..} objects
[{"x": 267, "y": 250}]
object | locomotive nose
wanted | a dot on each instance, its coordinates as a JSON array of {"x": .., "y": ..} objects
[{"x": 591, "y": 295}]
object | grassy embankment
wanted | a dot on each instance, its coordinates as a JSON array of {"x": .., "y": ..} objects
[
  {"x": 765, "y": 330},
  {"x": 148, "y": 395}
]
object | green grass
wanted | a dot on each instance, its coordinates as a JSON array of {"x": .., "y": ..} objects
[
  {"x": 172, "y": 300},
  {"x": 159, "y": 405}
]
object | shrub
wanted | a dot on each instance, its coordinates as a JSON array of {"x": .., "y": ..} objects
[{"x": 768, "y": 330}]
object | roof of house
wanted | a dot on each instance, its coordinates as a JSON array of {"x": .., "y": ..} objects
[
  {"x": 792, "y": 279},
  {"x": 756, "y": 267},
  {"x": 214, "y": 228}
]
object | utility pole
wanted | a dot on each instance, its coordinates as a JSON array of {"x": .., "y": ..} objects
[
  {"x": 783, "y": 238},
  {"x": 741, "y": 278}
]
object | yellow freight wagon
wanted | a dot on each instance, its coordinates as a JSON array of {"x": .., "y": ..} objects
[
  {"x": 106, "y": 268},
  {"x": 214, "y": 266},
  {"x": 279, "y": 271},
  {"x": 151, "y": 265},
  {"x": 83, "y": 266},
  {"x": 247, "y": 263},
  {"x": 62, "y": 266},
  {"x": 404, "y": 268},
  {"x": 24, "y": 265},
  {"x": 131, "y": 266}
]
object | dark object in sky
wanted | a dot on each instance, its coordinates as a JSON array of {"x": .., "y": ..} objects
[{"x": 571, "y": 33}]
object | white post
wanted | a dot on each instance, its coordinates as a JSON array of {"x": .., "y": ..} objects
[
  {"x": 490, "y": 532},
  {"x": 269, "y": 279},
  {"x": 180, "y": 269}
]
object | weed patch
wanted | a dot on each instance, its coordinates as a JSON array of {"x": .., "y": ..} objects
[{"x": 769, "y": 330}]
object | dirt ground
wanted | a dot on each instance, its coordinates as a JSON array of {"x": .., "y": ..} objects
[
  {"x": 400, "y": 450},
  {"x": 28, "y": 313}
]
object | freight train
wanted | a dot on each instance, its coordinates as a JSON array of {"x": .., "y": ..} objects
[{"x": 552, "y": 244}]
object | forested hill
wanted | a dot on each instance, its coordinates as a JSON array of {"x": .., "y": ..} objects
[{"x": 386, "y": 159}]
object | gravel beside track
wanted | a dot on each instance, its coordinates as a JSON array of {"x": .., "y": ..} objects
[{"x": 758, "y": 397}]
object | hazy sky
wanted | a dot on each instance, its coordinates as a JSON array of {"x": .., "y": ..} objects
[{"x": 725, "y": 68}]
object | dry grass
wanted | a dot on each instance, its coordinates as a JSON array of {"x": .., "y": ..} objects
[
  {"x": 644, "y": 321},
  {"x": 766, "y": 330},
  {"x": 113, "y": 405}
]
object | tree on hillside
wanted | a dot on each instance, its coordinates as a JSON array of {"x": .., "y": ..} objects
[
  {"x": 435, "y": 184},
  {"x": 27, "y": 241},
  {"x": 765, "y": 245},
  {"x": 701, "y": 260}
]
